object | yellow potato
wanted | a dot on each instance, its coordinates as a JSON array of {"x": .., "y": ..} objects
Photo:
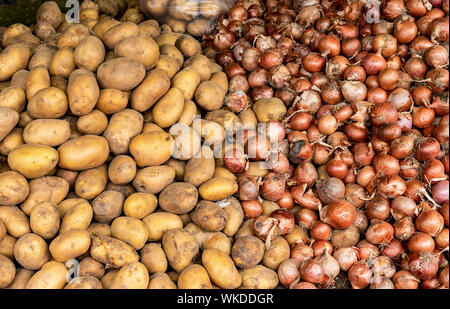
[
  {"x": 112, "y": 252},
  {"x": 187, "y": 81},
  {"x": 83, "y": 92},
  {"x": 49, "y": 103},
  {"x": 267, "y": 109},
  {"x": 45, "y": 220},
  {"x": 296, "y": 235},
  {"x": 209, "y": 216},
  {"x": 277, "y": 253},
  {"x": 21, "y": 279},
  {"x": 45, "y": 189},
  {"x": 187, "y": 141},
  {"x": 248, "y": 119},
  {"x": 141, "y": 48},
  {"x": 14, "y": 58},
  {"x": 179, "y": 167},
  {"x": 31, "y": 251},
  {"x": 139, "y": 205},
  {"x": 49, "y": 132},
  {"x": 221, "y": 269},
  {"x": 90, "y": 53},
  {"x": 119, "y": 33},
  {"x": 7, "y": 271},
  {"x": 180, "y": 248},
  {"x": 99, "y": 229},
  {"x": 14, "y": 188},
  {"x": 188, "y": 113},
  {"x": 200, "y": 63},
  {"x": 178, "y": 198},
  {"x": 16, "y": 222},
  {"x": 176, "y": 24},
  {"x": 160, "y": 222},
  {"x": 78, "y": 217},
  {"x": 151, "y": 149},
  {"x": 93, "y": 123},
  {"x": 218, "y": 241},
  {"x": 2, "y": 230},
  {"x": 168, "y": 64},
  {"x": 13, "y": 140},
  {"x": 42, "y": 56},
  {"x": 154, "y": 179},
  {"x": 154, "y": 258},
  {"x": 130, "y": 230},
  {"x": 223, "y": 172},
  {"x": 173, "y": 52},
  {"x": 120, "y": 73},
  {"x": 51, "y": 276},
  {"x": 160, "y": 281},
  {"x": 228, "y": 120},
  {"x": 37, "y": 80},
  {"x": 84, "y": 152},
  {"x": 14, "y": 98},
  {"x": 70, "y": 245},
  {"x": 259, "y": 277},
  {"x": 33, "y": 161},
  {"x": 209, "y": 95},
  {"x": 59, "y": 82},
  {"x": 7, "y": 246},
  {"x": 152, "y": 88},
  {"x": 8, "y": 120},
  {"x": 84, "y": 282},
  {"x": 112, "y": 101},
  {"x": 72, "y": 35},
  {"x": 122, "y": 128},
  {"x": 131, "y": 276},
  {"x": 221, "y": 79},
  {"x": 19, "y": 79},
  {"x": 107, "y": 206},
  {"x": 197, "y": 27},
  {"x": 122, "y": 170},
  {"x": 62, "y": 63},
  {"x": 200, "y": 168},
  {"x": 91, "y": 267},
  {"x": 194, "y": 277},
  {"x": 218, "y": 188}
]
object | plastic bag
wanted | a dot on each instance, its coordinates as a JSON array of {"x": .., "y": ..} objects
[{"x": 196, "y": 17}]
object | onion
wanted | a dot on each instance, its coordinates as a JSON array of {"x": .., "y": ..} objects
[
  {"x": 382, "y": 283},
  {"x": 313, "y": 272},
  {"x": 285, "y": 220},
  {"x": 252, "y": 209},
  {"x": 404, "y": 228},
  {"x": 249, "y": 60},
  {"x": 346, "y": 257},
  {"x": 340, "y": 214},
  {"x": 305, "y": 173},
  {"x": 386, "y": 165},
  {"x": 273, "y": 187},
  {"x": 393, "y": 250},
  {"x": 270, "y": 58},
  {"x": 360, "y": 275},
  {"x": 379, "y": 232},
  {"x": 262, "y": 226},
  {"x": 354, "y": 91},
  {"x": 421, "y": 242},
  {"x": 288, "y": 272},
  {"x": 329, "y": 264},
  {"x": 337, "y": 167},
  {"x": 378, "y": 208},
  {"x": 439, "y": 191},
  {"x": 382, "y": 266},
  {"x": 403, "y": 279},
  {"x": 301, "y": 253},
  {"x": 248, "y": 187},
  {"x": 427, "y": 149},
  {"x": 330, "y": 190},
  {"x": 423, "y": 265},
  {"x": 223, "y": 40}
]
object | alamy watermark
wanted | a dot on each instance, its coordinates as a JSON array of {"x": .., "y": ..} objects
[
  {"x": 73, "y": 14},
  {"x": 373, "y": 11}
]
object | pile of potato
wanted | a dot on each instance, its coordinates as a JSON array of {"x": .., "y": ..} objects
[{"x": 97, "y": 146}]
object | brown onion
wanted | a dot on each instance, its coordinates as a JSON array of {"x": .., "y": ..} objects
[
  {"x": 421, "y": 242},
  {"x": 403, "y": 279},
  {"x": 379, "y": 232},
  {"x": 312, "y": 271},
  {"x": 360, "y": 275},
  {"x": 423, "y": 265},
  {"x": 404, "y": 228}
]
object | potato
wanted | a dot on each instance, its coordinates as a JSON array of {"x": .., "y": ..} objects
[
  {"x": 91, "y": 267},
  {"x": 93, "y": 123},
  {"x": 296, "y": 235},
  {"x": 198, "y": 26},
  {"x": 104, "y": 25},
  {"x": 83, "y": 92},
  {"x": 177, "y": 25},
  {"x": 258, "y": 169},
  {"x": 276, "y": 254},
  {"x": 2, "y": 230},
  {"x": 13, "y": 140},
  {"x": 149, "y": 27},
  {"x": 99, "y": 229},
  {"x": 130, "y": 230},
  {"x": 37, "y": 79},
  {"x": 209, "y": 216},
  {"x": 160, "y": 222},
  {"x": 218, "y": 188},
  {"x": 152, "y": 88},
  {"x": 62, "y": 63},
  {"x": 68, "y": 203},
  {"x": 178, "y": 198},
  {"x": 248, "y": 119},
  {"x": 245, "y": 229},
  {"x": 14, "y": 58},
  {"x": 186, "y": 81},
  {"x": 51, "y": 276},
  {"x": 8, "y": 120},
  {"x": 154, "y": 258},
  {"x": 180, "y": 248},
  {"x": 194, "y": 277},
  {"x": 7, "y": 271},
  {"x": 213, "y": 67},
  {"x": 223, "y": 172},
  {"x": 228, "y": 120},
  {"x": 118, "y": 33},
  {"x": 31, "y": 251},
  {"x": 218, "y": 241},
  {"x": 200, "y": 64},
  {"x": 58, "y": 82},
  {"x": 122, "y": 170},
  {"x": 120, "y": 73},
  {"x": 21, "y": 279},
  {"x": 84, "y": 282},
  {"x": 16, "y": 222},
  {"x": 141, "y": 48},
  {"x": 70, "y": 245},
  {"x": 173, "y": 52},
  {"x": 7, "y": 246},
  {"x": 123, "y": 127},
  {"x": 209, "y": 95},
  {"x": 14, "y": 188},
  {"x": 139, "y": 205},
  {"x": 221, "y": 79},
  {"x": 155, "y": 7},
  {"x": 187, "y": 141},
  {"x": 151, "y": 149},
  {"x": 154, "y": 179},
  {"x": 188, "y": 113},
  {"x": 167, "y": 38},
  {"x": 188, "y": 46},
  {"x": 235, "y": 215},
  {"x": 221, "y": 269},
  {"x": 179, "y": 167},
  {"x": 14, "y": 98},
  {"x": 90, "y": 53},
  {"x": 200, "y": 168},
  {"x": 131, "y": 276},
  {"x": 267, "y": 109},
  {"x": 77, "y": 217},
  {"x": 90, "y": 183},
  {"x": 259, "y": 277},
  {"x": 83, "y": 153},
  {"x": 33, "y": 161},
  {"x": 112, "y": 101},
  {"x": 24, "y": 119},
  {"x": 107, "y": 206},
  {"x": 269, "y": 207},
  {"x": 42, "y": 56},
  {"x": 45, "y": 220},
  {"x": 168, "y": 64},
  {"x": 112, "y": 252},
  {"x": 45, "y": 189},
  {"x": 72, "y": 36},
  {"x": 49, "y": 12},
  {"x": 49, "y": 103},
  {"x": 49, "y": 132},
  {"x": 160, "y": 281},
  {"x": 247, "y": 251},
  {"x": 19, "y": 79}
]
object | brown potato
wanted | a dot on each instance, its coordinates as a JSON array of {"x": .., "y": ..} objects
[
  {"x": 200, "y": 168},
  {"x": 83, "y": 153},
  {"x": 173, "y": 52},
  {"x": 248, "y": 119},
  {"x": 259, "y": 277},
  {"x": 107, "y": 206},
  {"x": 45, "y": 189},
  {"x": 99, "y": 229},
  {"x": 154, "y": 179},
  {"x": 112, "y": 252},
  {"x": 200, "y": 63},
  {"x": 168, "y": 64},
  {"x": 160, "y": 281},
  {"x": 131, "y": 276},
  {"x": 160, "y": 222},
  {"x": 152, "y": 88},
  {"x": 296, "y": 235},
  {"x": 31, "y": 251},
  {"x": 83, "y": 92},
  {"x": 49, "y": 12},
  {"x": 8, "y": 120},
  {"x": 221, "y": 79},
  {"x": 2, "y": 230},
  {"x": 149, "y": 27},
  {"x": 19, "y": 79},
  {"x": 21, "y": 279},
  {"x": 72, "y": 36},
  {"x": 154, "y": 258},
  {"x": 151, "y": 149},
  {"x": 16, "y": 222},
  {"x": 221, "y": 269},
  {"x": 179, "y": 167},
  {"x": 122, "y": 128},
  {"x": 209, "y": 216},
  {"x": 51, "y": 276},
  {"x": 112, "y": 101},
  {"x": 7, "y": 271},
  {"x": 269, "y": 109},
  {"x": 277, "y": 253},
  {"x": 90, "y": 53},
  {"x": 70, "y": 245},
  {"x": 141, "y": 48},
  {"x": 176, "y": 24},
  {"x": 223, "y": 172},
  {"x": 217, "y": 189},
  {"x": 130, "y": 230},
  {"x": 218, "y": 241},
  {"x": 42, "y": 56},
  {"x": 91, "y": 267},
  {"x": 14, "y": 58},
  {"x": 84, "y": 282},
  {"x": 188, "y": 113},
  {"x": 77, "y": 217},
  {"x": 228, "y": 120},
  {"x": 48, "y": 103},
  {"x": 119, "y": 33},
  {"x": 209, "y": 96},
  {"x": 62, "y": 63},
  {"x": 197, "y": 27},
  {"x": 7, "y": 246},
  {"x": 45, "y": 220},
  {"x": 59, "y": 82},
  {"x": 33, "y": 161},
  {"x": 178, "y": 198},
  {"x": 139, "y": 205},
  {"x": 194, "y": 277},
  {"x": 90, "y": 183},
  {"x": 13, "y": 98},
  {"x": 93, "y": 123},
  {"x": 180, "y": 248},
  {"x": 13, "y": 140},
  {"x": 120, "y": 73},
  {"x": 37, "y": 79},
  {"x": 122, "y": 170},
  {"x": 13, "y": 188},
  {"x": 49, "y": 132},
  {"x": 247, "y": 251}
]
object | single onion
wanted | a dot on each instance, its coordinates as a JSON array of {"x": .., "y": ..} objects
[
  {"x": 346, "y": 257},
  {"x": 285, "y": 219},
  {"x": 288, "y": 272},
  {"x": 379, "y": 232},
  {"x": 403, "y": 279},
  {"x": 312, "y": 271},
  {"x": 423, "y": 265},
  {"x": 360, "y": 275}
]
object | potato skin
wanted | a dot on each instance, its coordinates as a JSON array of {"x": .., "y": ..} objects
[
  {"x": 218, "y": 188},
  {"x": 14, "y": 188},
  {"x": 153, "y": 179},
  {"x": 8, "y": 120},
  {"x": 122, "y": 128},
  {"x": 72, "y": 36},
  {"x": 45, "y": 189},
  {"x": 259, "y": 277},
  {"x": 2, "y": 230},
  {"x": 70, "y": 245},
  {"x": 31, "y": 251},
  {"x": 161, "y": 280},
  {"x": 33, "y": 161},
  {"x": 276, "y": 254},
  {"x": 154, "y": 258},
  {"x": 14, "y": 58},
  {"x": 152, "y": 88},
  {"x": 118, "y": 33},
  {"x": 120, "y": 73},
  {"x": 83, "y": 153},
  {"x": 267, "y": 109},
  {"x": 83, "y": 92},
  {"x": 21, "y": 279},
  {"x": 122, "y": 170},
  {"x": 14, "y": 98},
  {"x": 160, "y": 222},
  {"x": 112, "y": 252},
  {"x": 141, "y": 48},
  {"x": 107, "y": 206},
  {"x": 90, "y": 53},
  {"x": 194, "y": 277},
  {"x": 247, "y": 251},
  {"x": 178, "y": 198},
  {"x": 186, "y": 81},
  {"x": 49, "y": 132},
  {"x": 45, "y": 220},
  {"x": 209, "y": 96},
  {"x": 140, "y": 204},
  {"x": 51, "y": 276},
  {"x": 11, "y": 141},
  {"x": 201, "y": 169},
  {"x": 16, "y": 221},
  {"x": 219, "y": 241},
  {"x": 151, "y": 149},
  {"x": 62, "y": 63},
  {"x": 180, "y": 248},
  {"x": 221, "y": 269},
  {"x": 48, "y": 103},
  {"x": 169, "y": 108},
  {"x": 91, "y": 267},
  {"x": 112, "y": 101},
  {"x": 93, "y": 123},
  {"x": 130, "y": 230},
  {"x": 84, "y": 282},
  {"x": 77, "y": 217},
  {"x": 7, "y": 271},
  {"x": 209, "y": 216},
  {"x": 131, "y": 276},
  {"x": 187, "y": 141}
]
